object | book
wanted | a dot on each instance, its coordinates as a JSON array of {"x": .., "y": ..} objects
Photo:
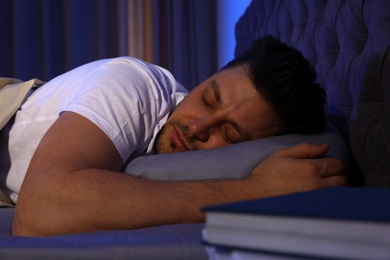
[{"x": 340, "y": 223}]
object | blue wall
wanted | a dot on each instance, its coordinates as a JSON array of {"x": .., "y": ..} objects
[{"x": 229, "y": 11}]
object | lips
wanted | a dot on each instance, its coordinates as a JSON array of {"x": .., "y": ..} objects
[{"x": 179, "y": 140}]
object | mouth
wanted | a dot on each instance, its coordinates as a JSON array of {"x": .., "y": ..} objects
[{"x": 179, "y": 140}]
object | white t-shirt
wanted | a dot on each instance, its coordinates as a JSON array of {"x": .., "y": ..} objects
[{"x": 127, "y": 98}]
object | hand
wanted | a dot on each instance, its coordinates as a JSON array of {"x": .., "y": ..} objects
[{"x": 297, "y": 168}]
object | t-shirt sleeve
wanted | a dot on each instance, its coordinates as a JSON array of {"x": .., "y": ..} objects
[{"x": 124, "y": 100}]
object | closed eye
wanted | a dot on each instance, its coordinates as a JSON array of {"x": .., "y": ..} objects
[
  {"x": 229, "y": 136},
  {"x": 211, "y": 97},
  {"x": 205, "y": 102}
]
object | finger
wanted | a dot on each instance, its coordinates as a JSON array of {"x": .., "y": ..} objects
[
  {"x": 303, "y": 150},
  {"x": 335, "y": 181},
  {"x": 329, "y": 166}
]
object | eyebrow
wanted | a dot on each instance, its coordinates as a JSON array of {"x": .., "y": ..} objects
[{"x": 215, "y": 89}]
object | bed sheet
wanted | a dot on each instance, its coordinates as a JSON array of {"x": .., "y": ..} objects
[{"x": 181, "y": 241}]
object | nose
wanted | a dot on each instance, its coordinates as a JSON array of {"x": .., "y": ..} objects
[{"x": 201, "y": 128}]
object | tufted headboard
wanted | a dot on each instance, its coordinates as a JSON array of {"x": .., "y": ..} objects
[{"x": 348, "y": 42}]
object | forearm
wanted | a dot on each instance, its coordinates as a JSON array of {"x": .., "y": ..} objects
[{"x": 89, "y": 200}]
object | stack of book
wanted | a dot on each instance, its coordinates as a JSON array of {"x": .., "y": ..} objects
[{"x": 333, "y": 223}]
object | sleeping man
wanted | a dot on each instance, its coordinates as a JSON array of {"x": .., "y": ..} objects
[{"x": 71, "y": 138}]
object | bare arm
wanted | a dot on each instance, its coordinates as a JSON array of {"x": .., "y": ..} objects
[{"x": 73, "y": 184}]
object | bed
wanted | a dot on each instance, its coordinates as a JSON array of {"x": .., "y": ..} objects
[{"x": 348, "y": 44}]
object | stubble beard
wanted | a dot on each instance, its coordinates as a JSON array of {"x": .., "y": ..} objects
[{"x": 164, "y": 143}]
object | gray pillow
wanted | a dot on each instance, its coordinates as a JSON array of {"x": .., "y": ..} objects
[{"x": 233, "y": 161}]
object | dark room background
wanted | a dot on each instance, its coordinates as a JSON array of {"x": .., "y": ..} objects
[{"x": 45, "y": 38}]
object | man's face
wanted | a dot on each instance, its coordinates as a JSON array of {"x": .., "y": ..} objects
[{"x": 224, "y": 109}]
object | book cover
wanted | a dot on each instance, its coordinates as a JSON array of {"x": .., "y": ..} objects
[{"x": 366, "y": 204}]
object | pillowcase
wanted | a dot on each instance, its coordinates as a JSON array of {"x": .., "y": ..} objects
[{"x": 233, "y": 161}]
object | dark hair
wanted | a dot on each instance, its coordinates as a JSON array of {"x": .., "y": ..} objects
[{"x": 287, "y": 82}]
